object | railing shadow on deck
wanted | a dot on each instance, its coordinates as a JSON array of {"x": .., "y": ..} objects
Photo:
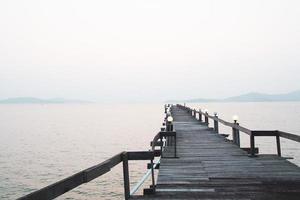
[
  {"x": 161, "y": 140},
  {"x": 236, "y": 129}
]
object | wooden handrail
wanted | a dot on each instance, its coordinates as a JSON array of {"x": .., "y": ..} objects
[
  {"x": 289, "y": 136},
  {"x": 283, "y": 134},
  {"x": 155, "y": 141},
  {"x": 56, "y": 189},
  {"x": 236, "y": 128},
  {"x": 232, "y": 125}
]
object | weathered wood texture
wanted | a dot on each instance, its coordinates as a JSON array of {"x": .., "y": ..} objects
[{"x": 211, "y": 167}]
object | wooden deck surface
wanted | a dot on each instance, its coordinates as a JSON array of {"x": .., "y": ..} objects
[{"x": 211, "y": 167}]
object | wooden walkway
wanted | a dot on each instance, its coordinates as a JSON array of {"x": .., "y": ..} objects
[{"x": 211, "y": 167}]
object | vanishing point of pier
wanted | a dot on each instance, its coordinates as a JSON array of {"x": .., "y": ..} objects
[{"x": 195, "y": 161}]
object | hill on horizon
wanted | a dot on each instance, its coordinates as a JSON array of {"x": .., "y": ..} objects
[{"x": 250, "y": 97}]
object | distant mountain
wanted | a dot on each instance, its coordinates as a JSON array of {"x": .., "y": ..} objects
[
  {"x": 251, "y": 97},
  {"x": 261, "y": 97},
  {"x": 193, "y": 100},
  {"x": 33, "y": 100}
]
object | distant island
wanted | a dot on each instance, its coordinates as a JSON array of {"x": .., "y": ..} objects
[
  {"x": 33, "y": 100},
  {"x": 249, "y": 97}
]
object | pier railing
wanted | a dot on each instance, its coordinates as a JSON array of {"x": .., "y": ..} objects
[
  {"x": 237, "y": 128},
  {"x": 85, "y": 176},
  {"x": 160, "y": 140}
]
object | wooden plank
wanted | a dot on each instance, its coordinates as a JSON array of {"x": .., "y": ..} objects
[
  {"x": 140, "y": 155},
  {"x": 186, "y": 190}
]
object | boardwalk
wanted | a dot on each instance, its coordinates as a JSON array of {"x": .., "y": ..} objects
[
  {"x": 205, "y": 164},
  {"x": 211, "y": 167}
]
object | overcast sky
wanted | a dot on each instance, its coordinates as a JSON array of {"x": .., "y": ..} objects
[{"x": 120, "y": 50}]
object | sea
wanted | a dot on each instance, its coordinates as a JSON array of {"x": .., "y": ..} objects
[{"x": 44, "y": 143}]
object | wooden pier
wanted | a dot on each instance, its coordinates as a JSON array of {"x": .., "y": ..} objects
[
  {"x": 209, "y": 166},
  {"x": 197, "y": 162}
]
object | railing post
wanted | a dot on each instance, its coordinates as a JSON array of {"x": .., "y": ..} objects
[
  {"x": 200, "y": 115},
  {"x": 161, "y": 145},
  {"x": 236, "y": 136},
  {"x": 216, "y": 123},
  {"x": 252, "y": 144},
  {"x": 126, "y": 176},
  {"x": 168, "y": 141},
  {"x": 278, "y": 145},
  {"x": 169, "y": 126},
  {"x": 175, "y": 146},
  {"x": 237, "y": 133},
  {"x": 152, "y": 174},
  {"x": 233, "y": 136},
  {"x": 206, "y": 119}
]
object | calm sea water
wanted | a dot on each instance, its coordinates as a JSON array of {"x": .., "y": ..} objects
[{"x": 41, "y": 144}]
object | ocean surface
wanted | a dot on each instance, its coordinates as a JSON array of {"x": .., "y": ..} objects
[{"x": 41, "y": 144}]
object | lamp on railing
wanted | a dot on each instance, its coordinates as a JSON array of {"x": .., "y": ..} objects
[
  {"x": 235, "y": 118},
  {"x": 170, "y": 119},
  {"x": 169, "y": 124}
]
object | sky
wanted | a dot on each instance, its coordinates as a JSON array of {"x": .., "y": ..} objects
[{"x": 143, "y": 51}]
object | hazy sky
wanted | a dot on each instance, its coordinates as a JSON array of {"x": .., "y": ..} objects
[{"x": 148, "y": 50}]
